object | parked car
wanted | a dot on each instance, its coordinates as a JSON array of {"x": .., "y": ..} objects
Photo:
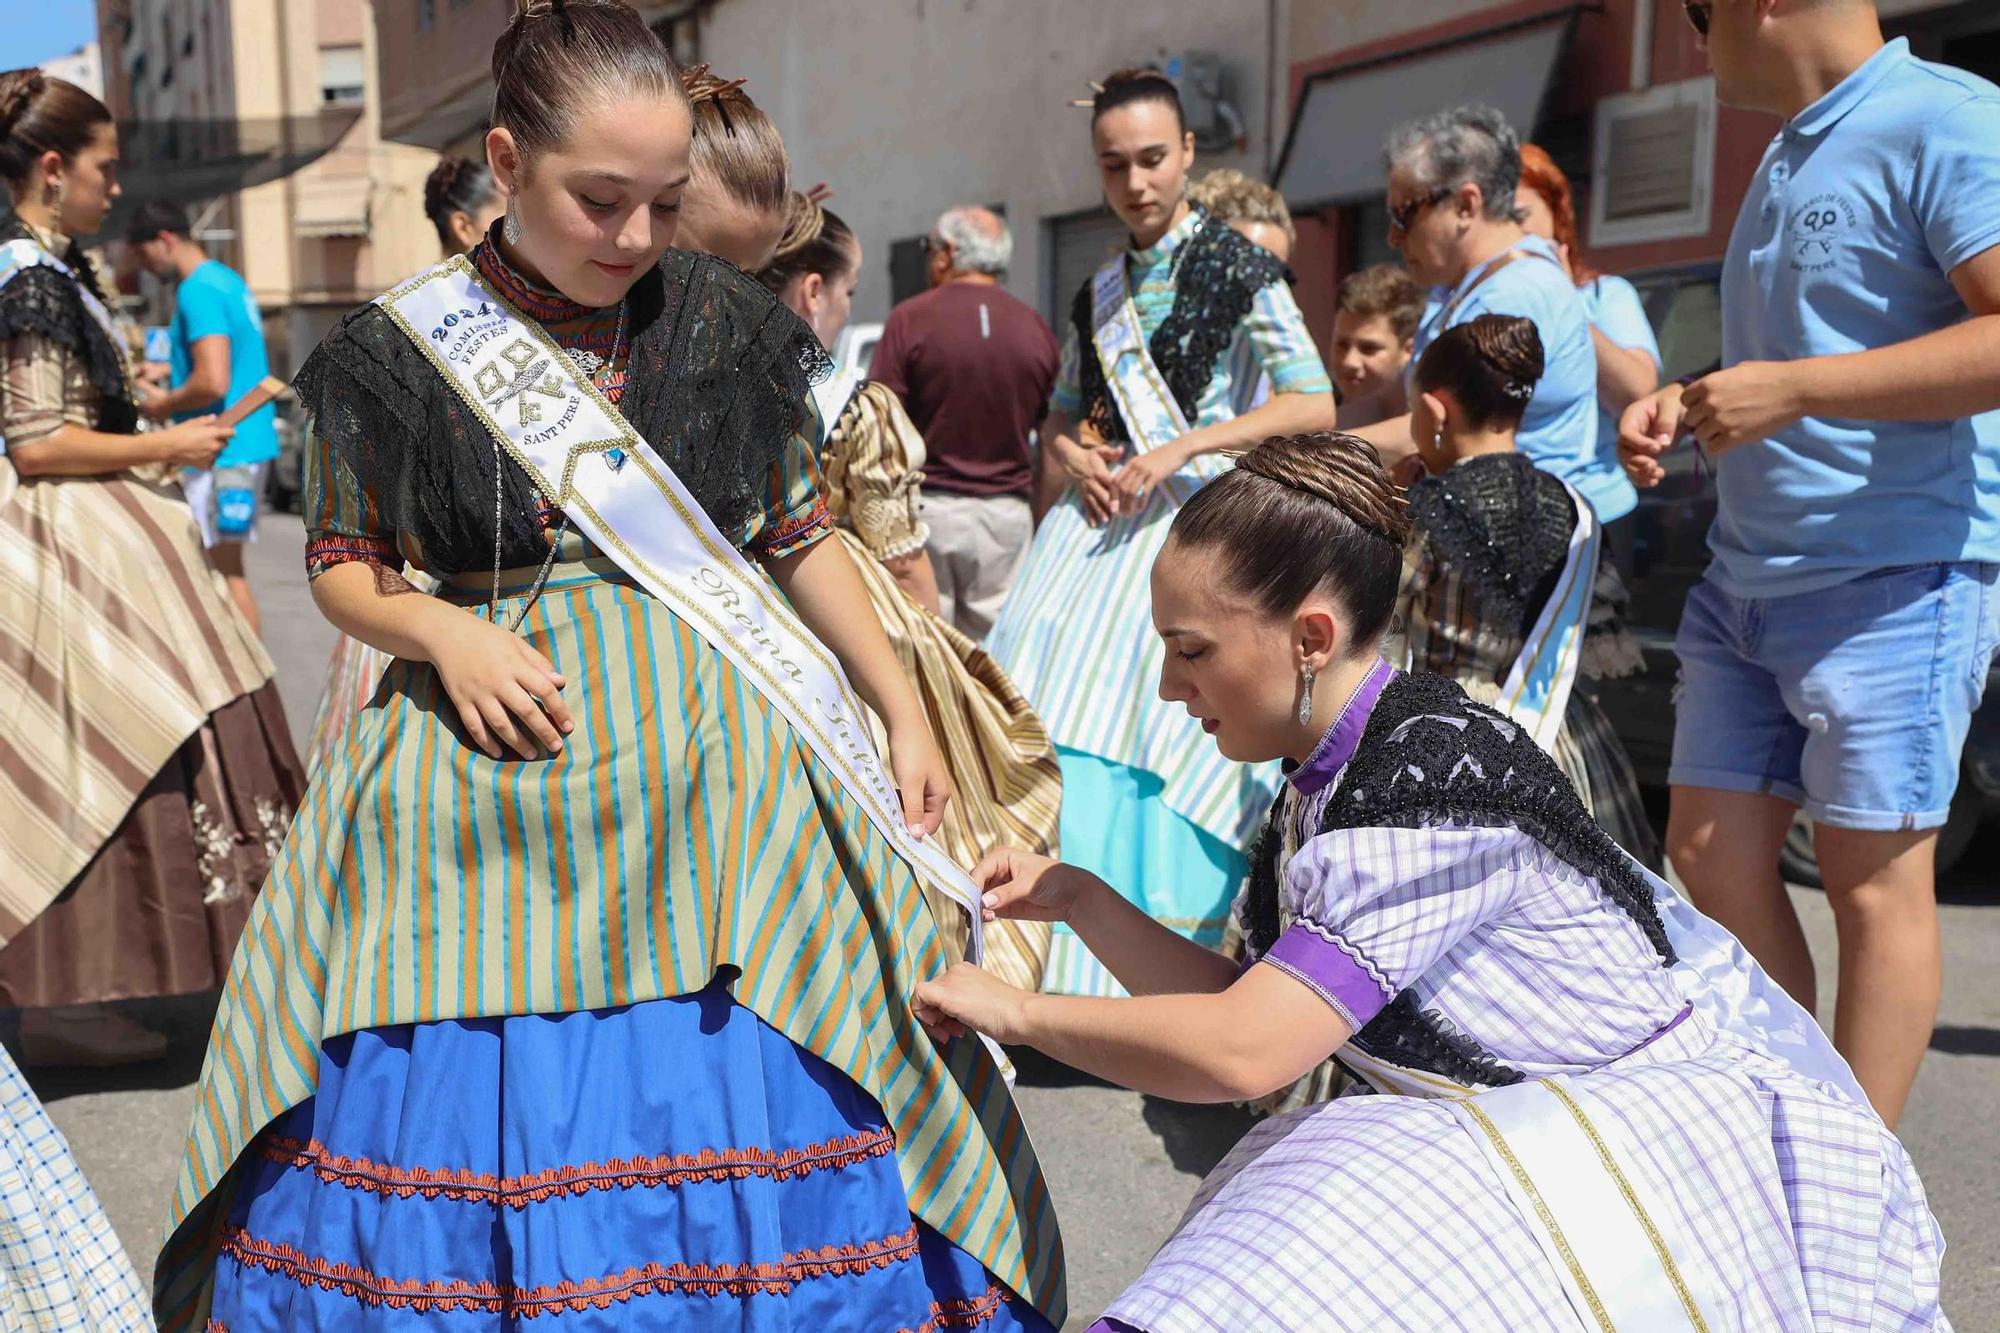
[{"x": 1671, "y": 552}]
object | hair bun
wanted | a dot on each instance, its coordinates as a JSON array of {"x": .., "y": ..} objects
[
  {"x": 18, "y": 90},
  {"x": 1343, "y": 470},
  {"x": 442, "y": 183},
  {"x": 1513, "y": 347}
]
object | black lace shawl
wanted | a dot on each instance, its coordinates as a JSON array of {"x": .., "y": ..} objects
[
  {"x": 42, "y": 302},
  {"x": 1429, "y": 756},
  {"x": 719, "y": 378},
  {"x": 1504, "y": 526},
  {"x": 1217, "y": 275}
]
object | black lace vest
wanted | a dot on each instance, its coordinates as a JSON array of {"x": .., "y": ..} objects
[
  {"x": 1429, "y": 756},
  {"x": 43, "y": 303},
  {"x": 1217, "y": 275}
]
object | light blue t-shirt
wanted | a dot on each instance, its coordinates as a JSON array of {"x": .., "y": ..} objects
[
  {"x": 214, "y": 300},
  {"x": 1614, "y": 309},
  {"x": 1862, "y": 207},
  {"x": 1559, "y": 432}
]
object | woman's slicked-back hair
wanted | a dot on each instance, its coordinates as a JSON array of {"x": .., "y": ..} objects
[
  {"x": 1490, "y": 364},
  {"x": 815, "y": 241},
  {"x": 43, "y": 114},
  {"x": 456, "y": 185},
  {"x": 558, "y": 57},
  {"x": 1137, "y": 83},
  {"x": 735, "y": 144},
  {"x": 1304, "y": 513}
]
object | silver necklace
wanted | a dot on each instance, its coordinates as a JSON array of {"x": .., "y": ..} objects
[{"x": 597, "y": 370}]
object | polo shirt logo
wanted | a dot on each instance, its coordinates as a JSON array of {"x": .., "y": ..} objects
[{"x": 1817, "y": 230}]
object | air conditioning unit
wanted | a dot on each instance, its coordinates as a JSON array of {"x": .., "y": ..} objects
[
  {"x": 1653, "y": 176},
  {"x": 1204, "y": 83}
]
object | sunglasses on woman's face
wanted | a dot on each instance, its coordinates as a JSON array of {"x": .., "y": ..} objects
[
  {"x": 1403, "y": 214},
  {"x": 1698, "y": 14}
]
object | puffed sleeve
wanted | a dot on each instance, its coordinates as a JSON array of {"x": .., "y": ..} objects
[
  {"x": 40, "y": 390},
  {"x": 1067, "y": 397},
  {"x": 1380, "y": 906},
  {"x": 794, "y": 515},
  {"x": 353, "y": 403},
  {"x": 874, "y": 467},
  {"x": 1282, "y": 343}
]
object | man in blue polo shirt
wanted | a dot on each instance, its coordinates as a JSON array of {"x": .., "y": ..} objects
[
  {"x": 1834, "y": 654},
  {"x": 218, "y": 356}
]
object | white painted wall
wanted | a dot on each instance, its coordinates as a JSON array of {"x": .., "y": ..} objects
[{"x": 909, "y": 106}]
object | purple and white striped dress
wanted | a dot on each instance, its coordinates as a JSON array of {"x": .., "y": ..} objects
[{"x": 1380, "y": 1211}]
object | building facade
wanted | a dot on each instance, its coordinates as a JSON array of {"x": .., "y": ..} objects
[{"x": 262, "y": 118}]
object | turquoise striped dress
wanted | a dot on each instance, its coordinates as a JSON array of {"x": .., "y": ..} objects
[
  {"x": 1149, "y": 805},
  {"x": 623, "y": 1034}
]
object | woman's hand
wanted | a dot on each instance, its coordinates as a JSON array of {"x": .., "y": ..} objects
[
  {"x": 1141, "y": 473},
  {"x": 921, "y": 780},
  {"x": 504, "y": 690},
  {"x": 1023, "y": 886},
  {"x": 967, "y": 998},
  {"x": 1087, "y": 464},
  {"x": 196, "y": 443}
]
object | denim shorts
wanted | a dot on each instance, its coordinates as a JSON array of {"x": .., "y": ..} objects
[{"x": 1853, "y": 701}]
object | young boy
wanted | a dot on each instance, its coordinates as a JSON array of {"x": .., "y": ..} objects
[{"x": 1374, "y": 330}]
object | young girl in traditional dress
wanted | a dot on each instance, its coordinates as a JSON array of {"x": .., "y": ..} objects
[
  {"x": 582, "y": 987},
  {"x": 1167, "y": 348},
  {"x": 1507, "y": 587},
  {"x": 1594, "y": 1112},
  {"x": 146, "y": 772},
  {"x": 1002, "y": 766}
]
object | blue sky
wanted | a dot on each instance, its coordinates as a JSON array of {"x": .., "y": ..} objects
[{"x": 39, "y": 29}]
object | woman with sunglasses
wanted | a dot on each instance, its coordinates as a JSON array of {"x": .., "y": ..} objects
[
  {"x": 1453, "y": 177},
  {"x": 1165, "y": 352}
]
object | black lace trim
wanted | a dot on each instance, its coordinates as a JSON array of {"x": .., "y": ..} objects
[
  {"x": 1431, "y": 756},
  {"x": 43, "y": 303},
  {"x": 1504, "y": 526},
  {"x": 1217, "y": 275},
  {"x": 719, "y": 377}
]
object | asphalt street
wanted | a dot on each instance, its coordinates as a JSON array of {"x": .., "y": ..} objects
[{"x": 1121, "y": 1166}]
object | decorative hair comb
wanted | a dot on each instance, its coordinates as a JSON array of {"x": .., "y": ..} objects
[{"x": 1090, "y": 102}]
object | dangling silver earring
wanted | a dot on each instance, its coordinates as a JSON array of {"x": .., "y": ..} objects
[
  {"x": 1305, "y": 696},
  {"x": 1437, "y": 440},
  {"x": 511, "y": 228},
  {"x": 52, "y": 196}
]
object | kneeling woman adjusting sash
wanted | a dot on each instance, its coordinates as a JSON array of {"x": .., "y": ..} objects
[{"x": 580, "y": 986}]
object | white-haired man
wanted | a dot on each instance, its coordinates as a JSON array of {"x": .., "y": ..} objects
[{"x": 974, "y": 366}]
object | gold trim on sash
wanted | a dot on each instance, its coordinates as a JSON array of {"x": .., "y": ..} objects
[
  {"x": 1645, "y": 1220},
  {"x": 1542, "y": 1210}
]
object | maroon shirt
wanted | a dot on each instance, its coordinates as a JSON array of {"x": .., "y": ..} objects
[{"x": 974, "y": 367}]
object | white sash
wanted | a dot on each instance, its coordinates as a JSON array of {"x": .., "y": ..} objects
[
  {"x": 624, "y": 497},
  {"x": 1616, "y": 1249},
  {"x": 1536, "y": 691},
  {"x": 1149, "y": 407},
  {"x": 19, "y": 255}
]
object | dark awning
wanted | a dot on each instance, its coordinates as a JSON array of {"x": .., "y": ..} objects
[
  {"x": 1333, "y": 146},
  {"x": 192, "y": 161}
]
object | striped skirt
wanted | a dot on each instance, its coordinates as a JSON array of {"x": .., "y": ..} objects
[
  {"x": 1008, "y": 787},
  {"x": 684, "y": 837}
]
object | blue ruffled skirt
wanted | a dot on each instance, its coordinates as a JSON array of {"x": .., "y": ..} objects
[
  {"x": 677, "y": 1164},
  {"x": 1116, "y": 825}
]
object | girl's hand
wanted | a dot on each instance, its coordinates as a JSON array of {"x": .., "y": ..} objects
[
  {"x": 504, "y": 690},
  {"x": 921, "y": 780},
  {"x": 967, "y": 998},
  {"x": 1136, "y": 480},
  {"x": 1025, "y": 887},
  {"x": 1087, "y": 464}
]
